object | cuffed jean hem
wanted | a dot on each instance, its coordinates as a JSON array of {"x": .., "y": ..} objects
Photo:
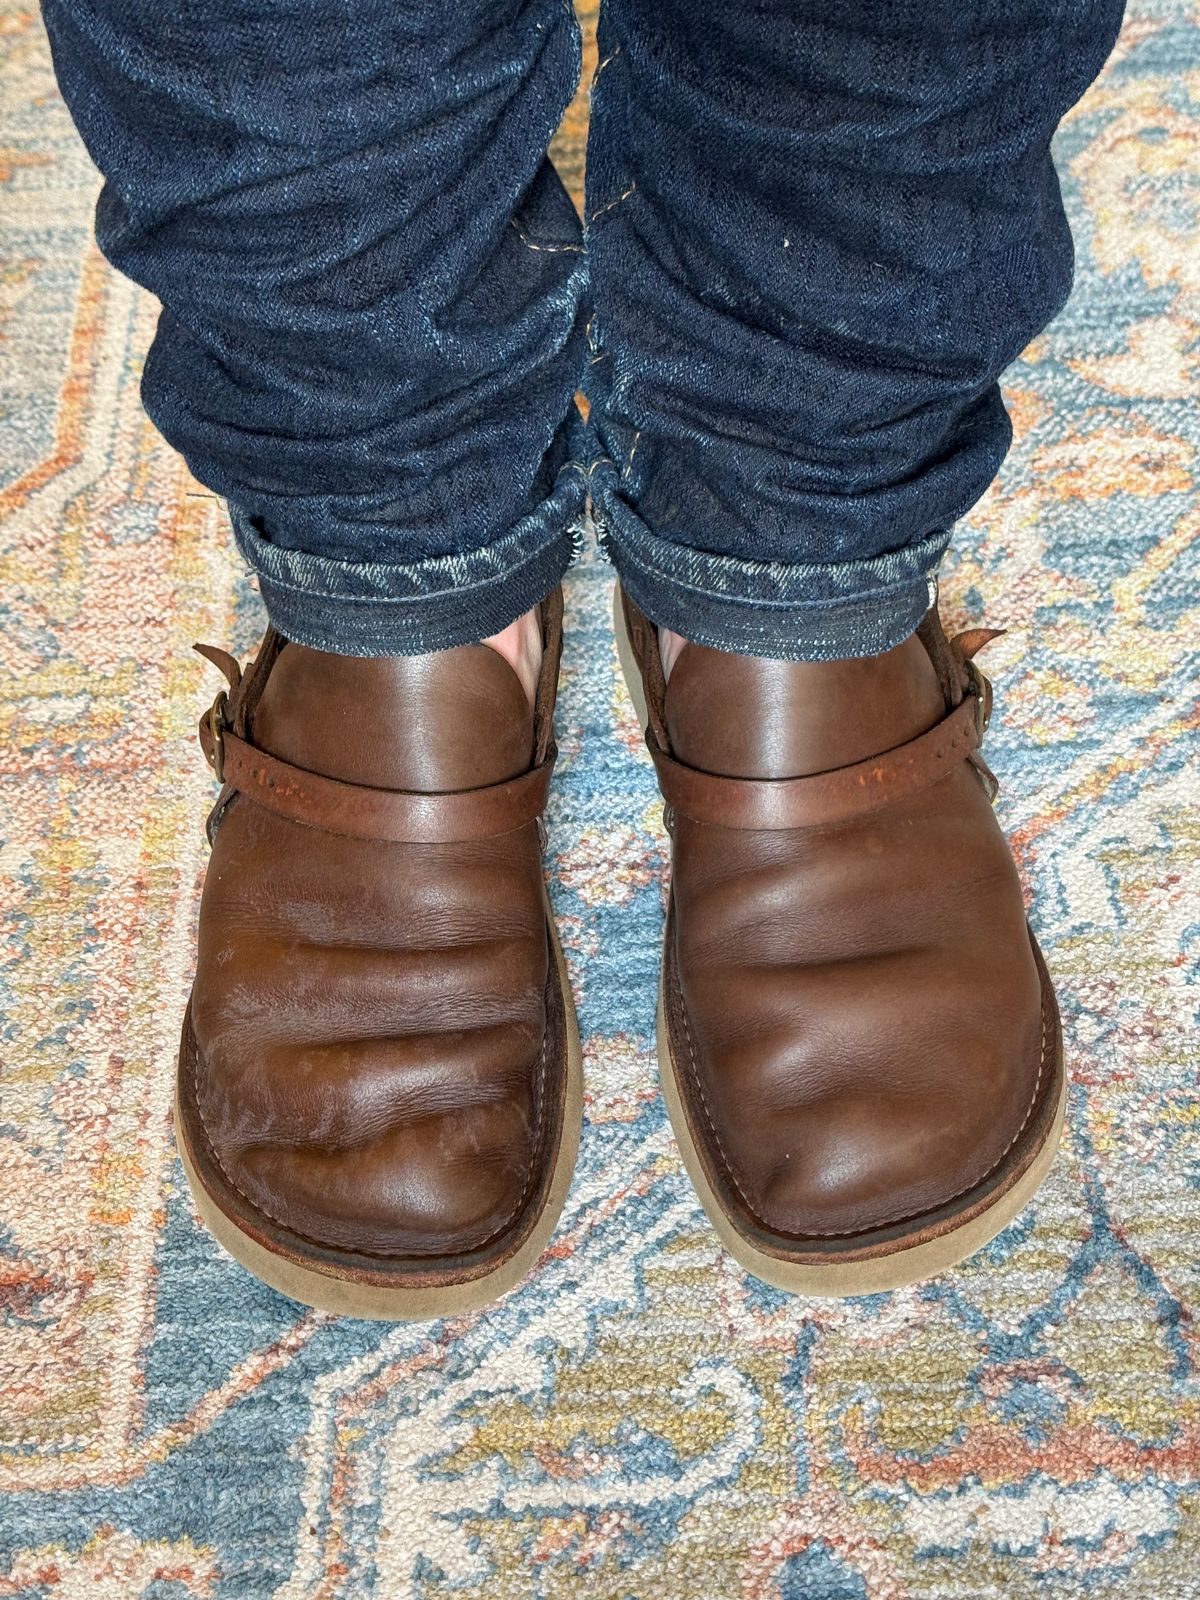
[
  {"x": 794, "y": 611},
  {"x": 381, "y": 608}
]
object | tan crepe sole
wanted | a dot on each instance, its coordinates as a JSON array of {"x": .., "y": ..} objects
[
  {"x": 348, "y": 1298},
  {"x": 898, "y": 1264}
]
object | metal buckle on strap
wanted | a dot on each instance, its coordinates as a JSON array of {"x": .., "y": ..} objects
[
  {"x": 216, "y": 727},
  {"x": 979, "y": 686}
]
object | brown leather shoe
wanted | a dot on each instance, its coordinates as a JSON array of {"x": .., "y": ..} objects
[
  {"x": 379, "y": 1091},
  {"x": 859, "y": 1043}
]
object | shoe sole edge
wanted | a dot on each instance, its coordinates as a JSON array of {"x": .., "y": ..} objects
[
  {"x": 899, "y": 1265},
  {"x": 323, "y": 1290},
  {"x": 896, "y": 1265}
]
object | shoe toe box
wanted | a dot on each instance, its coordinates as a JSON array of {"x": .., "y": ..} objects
[{"x": 834, "y": 1104}]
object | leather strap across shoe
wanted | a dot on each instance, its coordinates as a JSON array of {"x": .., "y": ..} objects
[
  {"x": 379, "y": 1091},
  {"x": 859, "y": 1042}
]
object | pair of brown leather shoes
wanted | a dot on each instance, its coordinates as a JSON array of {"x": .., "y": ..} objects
[{"x": 380, "y": 1091}]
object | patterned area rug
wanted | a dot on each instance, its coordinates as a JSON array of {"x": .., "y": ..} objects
[{"x": 640, "y": 1421}]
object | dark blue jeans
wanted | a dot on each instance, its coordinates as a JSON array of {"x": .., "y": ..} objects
[{"x": 815, "y": 236}]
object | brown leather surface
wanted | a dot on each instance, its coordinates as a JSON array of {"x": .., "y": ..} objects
[
  {"x": 817, "y": 799},
  {"x": 374, "y": 1066},
  {"x": 856, "y": 1015},
  {"x": 403, "y": 816}
]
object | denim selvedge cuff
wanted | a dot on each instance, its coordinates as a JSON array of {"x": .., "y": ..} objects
[
  {"x": 796, "y": 611},
  {"x": 376, "y": 608}
]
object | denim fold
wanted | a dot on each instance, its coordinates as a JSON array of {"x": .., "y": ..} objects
[
  {"x": 818, "y": 232},
  {"x": 371, "y": 608},
  {"x": 373, "y": 284},
  {"x": 808, "y": 610},
  {"x": 815, "y": 233}
]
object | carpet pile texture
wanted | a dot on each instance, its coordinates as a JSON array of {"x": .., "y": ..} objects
[{"x": 640, "y": 1421}]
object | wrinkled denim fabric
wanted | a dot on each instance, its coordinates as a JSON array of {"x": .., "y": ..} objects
[
  {"x": 374, "y": 290},
  {"x": 815, "y": 236},
  {"x": 818, "y": 233}
]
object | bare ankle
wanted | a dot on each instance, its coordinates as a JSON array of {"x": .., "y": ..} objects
[
  {"x": 669, "y": 646},
  {"x": 521, "y": 646}
]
